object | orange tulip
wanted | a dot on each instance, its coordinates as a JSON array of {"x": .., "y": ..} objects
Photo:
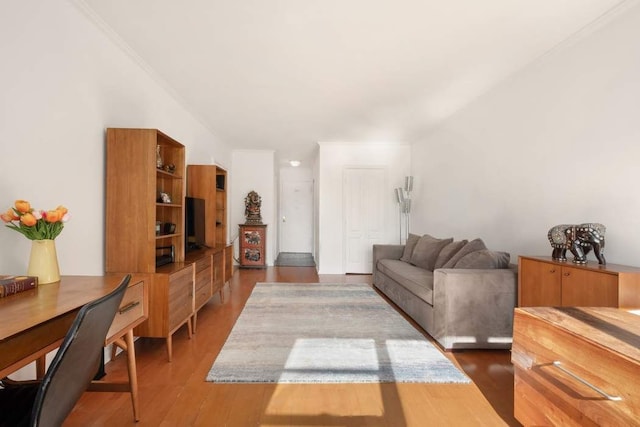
[
  {"x": 62, "y": 210},
  {"x": 53, "y": 216},
  {"x": 23, "y": 206},
  {"x": 10, "y": 215},
  {"x": 28, "y": 219}
]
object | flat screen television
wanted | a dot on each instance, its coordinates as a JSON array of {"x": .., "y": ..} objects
[{"x": 194, "y": 220}]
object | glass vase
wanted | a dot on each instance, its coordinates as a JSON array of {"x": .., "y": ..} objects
[{"x": 43, "y": 261}]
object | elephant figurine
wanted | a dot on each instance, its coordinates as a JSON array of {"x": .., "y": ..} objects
[{"x": 579, "y": 239}]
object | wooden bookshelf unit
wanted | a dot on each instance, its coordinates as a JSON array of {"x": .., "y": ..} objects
[
  {"x": 208, "y": 182},
  {"x": 147, "y": 181}
]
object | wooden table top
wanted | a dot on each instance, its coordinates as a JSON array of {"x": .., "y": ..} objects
[{"x": 25, "y": 310}]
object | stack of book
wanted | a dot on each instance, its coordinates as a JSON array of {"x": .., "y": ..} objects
[{"x": 10, "y": 285}]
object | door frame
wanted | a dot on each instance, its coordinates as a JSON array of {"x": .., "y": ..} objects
[
  {"x": 313, "y": 215},
  {"x": 345, "y": 168}
]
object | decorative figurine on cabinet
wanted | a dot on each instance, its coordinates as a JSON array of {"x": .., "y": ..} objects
[
  {"x": 252, "y": 208},
  {"x": 579, "y": 239}
]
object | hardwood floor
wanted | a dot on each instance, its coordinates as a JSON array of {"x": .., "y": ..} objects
[{"x": 176, "y": 394}]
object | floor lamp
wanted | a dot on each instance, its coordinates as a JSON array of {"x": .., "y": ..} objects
[
  {"x": 403, "y": 197},
  {"x": 400, "y": 200}
]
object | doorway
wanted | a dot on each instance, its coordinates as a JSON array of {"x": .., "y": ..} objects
[
  {"x": 296, "y": 223},
  {"x": 364, "y": 216}
]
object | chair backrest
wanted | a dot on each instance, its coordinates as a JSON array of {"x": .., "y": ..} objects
[{"x": 77, "y": 360}]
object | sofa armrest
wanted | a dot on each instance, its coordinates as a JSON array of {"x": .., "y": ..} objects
[
  {"x": 474, "y": 307},
  {"x": 385, "y": 252}
]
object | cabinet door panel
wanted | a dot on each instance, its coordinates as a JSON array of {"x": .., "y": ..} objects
[
  {"x": 180, "y": 297},
  {"x": 540, "y": 284},
  {"x": 202, "y": 287},
  {"x": 581, "y": 288},
  {"x": 218, "y": 270}
]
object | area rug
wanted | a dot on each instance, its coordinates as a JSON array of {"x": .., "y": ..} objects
[{"x": 327, "y": 333}]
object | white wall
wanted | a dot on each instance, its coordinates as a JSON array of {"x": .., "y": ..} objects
[
  {"x": 254, "y": 170},
  {"x": 333, "y": 159},
  {"x": 557, "y": 143},
  {"x": 63, "y": 81}
]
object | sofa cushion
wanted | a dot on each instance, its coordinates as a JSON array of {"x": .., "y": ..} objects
[
  {"x": 416, "y": 280},
  {"x": 427, "y": 250},
  {"x": 448, "y": 252},
  {"x": 409, "y": 246},
  {"x": 484, "y": 259},
  {"x": 472, "y": 246}
]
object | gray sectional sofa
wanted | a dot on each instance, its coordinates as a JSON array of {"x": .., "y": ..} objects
[{"x": 459, "y": 292}]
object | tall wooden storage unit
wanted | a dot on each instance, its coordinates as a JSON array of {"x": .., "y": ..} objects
[
  {"x": 133, "y": 209},
  {"x": 208, "y": 182}
]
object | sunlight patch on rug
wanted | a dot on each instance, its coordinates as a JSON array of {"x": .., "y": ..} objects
[{"x": 327, "y": 333}]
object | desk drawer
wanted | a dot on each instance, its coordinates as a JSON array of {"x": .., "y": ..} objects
[
  {"x": 130, "y": 313},
  {"x": 202, "y": 263}
]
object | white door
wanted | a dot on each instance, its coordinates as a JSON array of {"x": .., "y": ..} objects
[
  {"x": 296, "y": 210},
  {"x": 364, "y": 195}
]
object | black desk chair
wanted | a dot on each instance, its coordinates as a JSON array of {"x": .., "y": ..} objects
[{"x": 48, "y": 402}]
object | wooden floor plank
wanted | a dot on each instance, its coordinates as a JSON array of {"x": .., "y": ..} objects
[{"x": 176, "y": 394}]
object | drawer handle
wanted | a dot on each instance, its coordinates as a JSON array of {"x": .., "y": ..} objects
[
  {"x": 558, "y": 365},
  {"x": 128, "y": 307}
]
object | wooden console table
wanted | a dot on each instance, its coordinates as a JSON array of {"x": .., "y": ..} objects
[
  {"x": 34, "y": 322},
  {"x": 576, "y": 366}
]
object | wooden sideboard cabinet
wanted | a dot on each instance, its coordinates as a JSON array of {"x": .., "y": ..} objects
[
  {"x": 576, "y": 366},
  {"x": 171, "y": 303},
  {"x": 545, "y": 282},
  {"x": 253, "y": 244},
  {"x": 208, "y": 277}
]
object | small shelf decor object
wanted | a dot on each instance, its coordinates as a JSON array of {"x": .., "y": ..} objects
[
  {"x": 159, "y": 162},
  {"x": 41, "y": 227},
  {"x": 252, "y": 205}
]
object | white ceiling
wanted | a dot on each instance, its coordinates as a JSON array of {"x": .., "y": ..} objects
[{"x": 286, "y": 74}]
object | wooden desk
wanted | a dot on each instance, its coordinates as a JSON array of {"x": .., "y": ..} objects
[{"x": 33, "y": 323}]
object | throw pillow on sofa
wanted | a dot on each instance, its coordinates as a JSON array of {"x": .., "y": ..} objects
[
  {"x": 484, "y": 259},
  {"x": 427, "y": 250},
  {"x": 448, "y": 252},
  {"x": 472, "y": 246},
  {"x": 409, "y": 246}
]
